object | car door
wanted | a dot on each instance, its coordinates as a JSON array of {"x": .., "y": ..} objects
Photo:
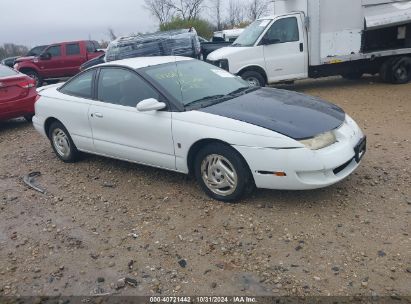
[
  {"x": 122, "y": 132},
  {"x": 74, "y": 58},
  {"x": 72, "y": 108},
  {"x": 284, "y": 52},
  {"x": 52, "y": 66}
]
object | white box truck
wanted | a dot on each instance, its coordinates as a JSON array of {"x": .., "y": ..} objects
[{"x": 320, "y": 38}]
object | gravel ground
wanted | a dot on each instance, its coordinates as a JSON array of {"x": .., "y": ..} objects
[{"x": 103, "y": 220}]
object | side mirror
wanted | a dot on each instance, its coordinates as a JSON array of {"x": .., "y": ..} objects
[
  {"x": 150, "y": 104},
  {"x": 45, "y": 56}
]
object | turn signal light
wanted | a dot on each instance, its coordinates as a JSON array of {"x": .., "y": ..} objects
[{"x": 280, "y": 174}]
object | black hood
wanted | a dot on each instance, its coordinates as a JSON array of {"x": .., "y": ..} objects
[{"x": 289, "y": 113}]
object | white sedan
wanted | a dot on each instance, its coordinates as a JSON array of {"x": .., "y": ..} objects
[{"x": 185, "y": 115}]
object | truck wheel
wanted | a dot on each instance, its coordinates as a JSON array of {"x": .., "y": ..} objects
[
  {"x": 255, "y": 79},
  {"x": 401, "y": 71},
  {"x": 385, "y": 73},
  {"x": 353, "y": 75},
  {"x": 35, "y": 76}
]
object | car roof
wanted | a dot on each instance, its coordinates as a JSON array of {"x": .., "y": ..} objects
[{"x": 143, "y": 62}]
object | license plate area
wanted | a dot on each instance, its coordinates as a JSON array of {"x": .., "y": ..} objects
[{"x": 360, "y": 149}]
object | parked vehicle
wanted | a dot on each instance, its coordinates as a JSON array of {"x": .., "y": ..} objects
[
  {"x": 33, "y": 52},
  {"x": 227, "y": 35},
  {"x": 17, "y": 94},
  {"x": 178, "y": 42},
  {"x": 319, "y": 38},
  {"x": 188, "y": 116},
  {"x": 58, "y": 61},
  {"x": 95, "y": 61},
  {"x": 209, "y": 47}
]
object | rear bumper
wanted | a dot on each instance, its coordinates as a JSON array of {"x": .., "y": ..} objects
[
  {"x": 306, "y": 169},
  {"x": 18, "y": 108}
]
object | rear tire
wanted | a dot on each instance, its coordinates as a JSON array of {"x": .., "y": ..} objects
[
  {"x": 255, "y": 79},
  {"x": 222, "y": 173},
  {"x": 35, "y": 76},
  {"x": 401, "y": 71},
  {"x": 62, "y": 143}
]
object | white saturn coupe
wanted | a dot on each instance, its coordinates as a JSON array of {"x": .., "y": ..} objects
[{"x": 188, "y": 116}]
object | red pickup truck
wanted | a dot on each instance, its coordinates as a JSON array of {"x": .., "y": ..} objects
[{"x": 60, "y": 60}]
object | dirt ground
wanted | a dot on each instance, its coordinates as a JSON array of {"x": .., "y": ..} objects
[{"x": 103, "y": 220}]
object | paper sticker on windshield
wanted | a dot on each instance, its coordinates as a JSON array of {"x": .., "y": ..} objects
[
  {"x": 264, "y": 23},
  {"x": 223, "y": 73}
]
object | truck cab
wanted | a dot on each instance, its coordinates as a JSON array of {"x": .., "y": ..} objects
[
  {"x": 58, "y": 61},
  {"x": 271, "y": 49}
]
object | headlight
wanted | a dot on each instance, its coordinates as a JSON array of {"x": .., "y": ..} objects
[
  {"x": 223, "y": 64},
  {"x": 320, "y": 141}
]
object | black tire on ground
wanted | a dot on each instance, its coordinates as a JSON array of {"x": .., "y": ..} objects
[
  {"x": 401, "y": 70},
  {"x": 356, "y": 75},
  {"x": 230, "y": 175},
  {"x": 35, "y": 76},
  {"x": 29, "y": 118},
  {"x": 385, "y": 73},
  {"x": 62, "y": 143},
  {"x": 254, "y": 78}
]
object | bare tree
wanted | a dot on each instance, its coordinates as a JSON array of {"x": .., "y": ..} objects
[
  {"x": 236, "y": 13},
  {"x": 187, "y": 9},
  {"x": 111, "y": 34},
  {"x": 217, "y": 13},
  {"x": 257, "y": 8},
  {"x": 161, "y": 9}
]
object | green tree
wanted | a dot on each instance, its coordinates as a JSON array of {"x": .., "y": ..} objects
[{"x": 203, "y": 27}]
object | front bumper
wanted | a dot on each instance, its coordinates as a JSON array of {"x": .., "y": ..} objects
[{"x": 307, "y": 169}]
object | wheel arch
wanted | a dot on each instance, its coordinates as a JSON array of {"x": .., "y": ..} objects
[
  {"x": 47, "y": 124},
  {"x": 197, "y": 146},
  {"x": 254, "y": 68}
]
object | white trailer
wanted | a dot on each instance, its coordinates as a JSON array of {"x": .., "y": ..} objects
[{"x": 319, "y": 38}]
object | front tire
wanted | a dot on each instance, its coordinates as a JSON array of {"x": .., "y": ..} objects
[
  {"x": 37, "y": 78},
  {"x": 254, "y": 79},
  {"x": 62, "y": 143},
  {"x": 221, "y": 172}
]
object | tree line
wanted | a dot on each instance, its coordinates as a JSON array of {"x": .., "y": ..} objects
[
  {"x": 206, "y": 15},
  {"x": 11, "y": 50}
]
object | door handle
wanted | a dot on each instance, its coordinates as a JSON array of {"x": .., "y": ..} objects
[
  {"x": 98, "y": 115},
  {"x": 301, "y": 47}
]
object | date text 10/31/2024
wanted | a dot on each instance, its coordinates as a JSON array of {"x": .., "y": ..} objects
[{"x": 203, "y": 300}]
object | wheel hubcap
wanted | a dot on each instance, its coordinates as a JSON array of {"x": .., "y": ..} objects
[
  {"x": 61, "y": 142},
  {"x": 401, "y": 73},
  {"x": 219, "y": 175},
  {"x": 253, "y": 82},
  {"x": 36, "y": 79}
]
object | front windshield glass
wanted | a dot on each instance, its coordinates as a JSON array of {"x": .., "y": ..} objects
[
  {"x": 193, "y": 81},
  {"x": 251, "y": 34}
]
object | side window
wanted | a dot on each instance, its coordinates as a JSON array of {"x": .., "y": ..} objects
[
  {"x": 123, "y": 87},
  {"x": 80, "y": 86},
  {"x": 283, "y": 30},
  {"x": 91, "y": 48},
  {"x": 72, "y": 49},
  {"x": 55, "y": 51}
]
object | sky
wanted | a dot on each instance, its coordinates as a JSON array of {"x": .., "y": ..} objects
[{"x": 30, "y": 23}]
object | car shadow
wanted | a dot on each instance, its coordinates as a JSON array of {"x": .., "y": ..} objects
[
  {"x": 13, "y": 125},
  {"x": 329, "y": 83}
]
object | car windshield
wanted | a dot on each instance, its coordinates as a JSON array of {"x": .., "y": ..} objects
[
  {"x": 194, "y": 82},
  {"x": 7, "y": 72},
  {"x": 36, "y": 51},
  {"x": 251, "y": 34}
]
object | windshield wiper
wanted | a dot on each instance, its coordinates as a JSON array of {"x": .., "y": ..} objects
[
  {"x": 244, "y": 90},
  {"x": 210, "y": 98}
]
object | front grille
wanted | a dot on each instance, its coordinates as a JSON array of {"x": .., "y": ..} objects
[{"x": 342, "y": 167}]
